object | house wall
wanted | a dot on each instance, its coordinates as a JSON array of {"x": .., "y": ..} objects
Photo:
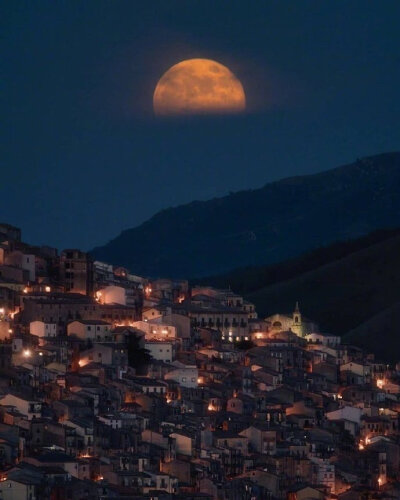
[
  {"x": 186, "y": 377},
  {"x": 162, "y": 351},
  {"x": 41, "y": 329}
]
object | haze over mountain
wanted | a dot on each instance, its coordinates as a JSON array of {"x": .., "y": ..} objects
[{"x": 263, "y": 226}]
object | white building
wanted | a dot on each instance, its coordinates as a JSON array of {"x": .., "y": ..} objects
[
  {"x": 183, "y": 442},
  {"x": 21, "y": 489},
  {"x": 184, "y": 375},
  {"x": 161, "y": 350},
  {"x": 23, "y": 261},
  {"x": 94, "y": 330},
  {"x": 112, "y": 420},
  {"x": 155, "y": 329},
  {"x": 324, "y": 473},
  {"x": 349, "y": 413},
  {"x": 323, "y": 338},
  {"x": 28, "y": 407},
  {"x": 42, "y": 329},
  {"x": 112, "y": 295}
]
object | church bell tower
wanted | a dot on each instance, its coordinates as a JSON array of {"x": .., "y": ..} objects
[{"x": 297, "y": 325}]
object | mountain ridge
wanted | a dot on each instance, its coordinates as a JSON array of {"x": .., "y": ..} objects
[
  {"x": 355, "y": 296},
  {"x": 248, "y": 227}
]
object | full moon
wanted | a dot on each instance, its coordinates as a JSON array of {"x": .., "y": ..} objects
[{"x": 198, "y": 86}]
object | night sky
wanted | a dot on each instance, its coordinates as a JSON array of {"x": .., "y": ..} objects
[{"x": 83, "y": 155}]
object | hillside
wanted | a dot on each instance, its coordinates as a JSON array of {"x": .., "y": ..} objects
[
  {"x": 380, "y": 334},
  {"x": 249, "y": 279},
  {"x": 278, "y": 221},
  {"x": 353, "y": 295}
]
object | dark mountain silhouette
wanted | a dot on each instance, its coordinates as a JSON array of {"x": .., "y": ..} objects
[
  {"x": 263, "y": 226},
  {"x": 351, "y": 289},
  {"x": 379, "y": 334}
]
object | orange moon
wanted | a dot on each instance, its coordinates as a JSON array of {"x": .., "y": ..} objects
[{"x": 198, "y": 86}]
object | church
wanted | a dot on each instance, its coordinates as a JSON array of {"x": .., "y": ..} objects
[{"x": 294, "y": 322}]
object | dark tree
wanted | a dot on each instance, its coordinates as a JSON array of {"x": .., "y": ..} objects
[
  {"x": 244, "y": 345},
  {"x": 138, "y": 357}
]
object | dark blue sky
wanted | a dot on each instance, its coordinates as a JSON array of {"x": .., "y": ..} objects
[{"x": 83, "y": 155}]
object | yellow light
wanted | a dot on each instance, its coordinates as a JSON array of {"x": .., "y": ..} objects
[
  {"x": 27, "y": 353},
  {"x": 1, "y": 310},
  {"x": 25, "y": 290},
  {"x": 361, "y": 446},
  {"x": 211, "y": 407},
  {"x": 10, "y": 330},
  {"x": 380, "y": 383},
  {"x": 40, "y": 354},
  {"x": 48, "y": 289}
]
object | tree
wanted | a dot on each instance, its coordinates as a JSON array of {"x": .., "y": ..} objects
[
  {"x": 244, "y": 345},
  {"x": 138, "y": 357}
]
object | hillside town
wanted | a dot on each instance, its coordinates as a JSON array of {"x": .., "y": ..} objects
[{"x": 118, "y": 386}]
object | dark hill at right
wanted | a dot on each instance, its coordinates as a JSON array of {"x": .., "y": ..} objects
[
  {"x": 350, "y": 288},
  {"x": 345, "y": 294}
]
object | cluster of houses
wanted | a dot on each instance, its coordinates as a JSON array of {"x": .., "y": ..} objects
[{"x": 114, "y": 386}]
